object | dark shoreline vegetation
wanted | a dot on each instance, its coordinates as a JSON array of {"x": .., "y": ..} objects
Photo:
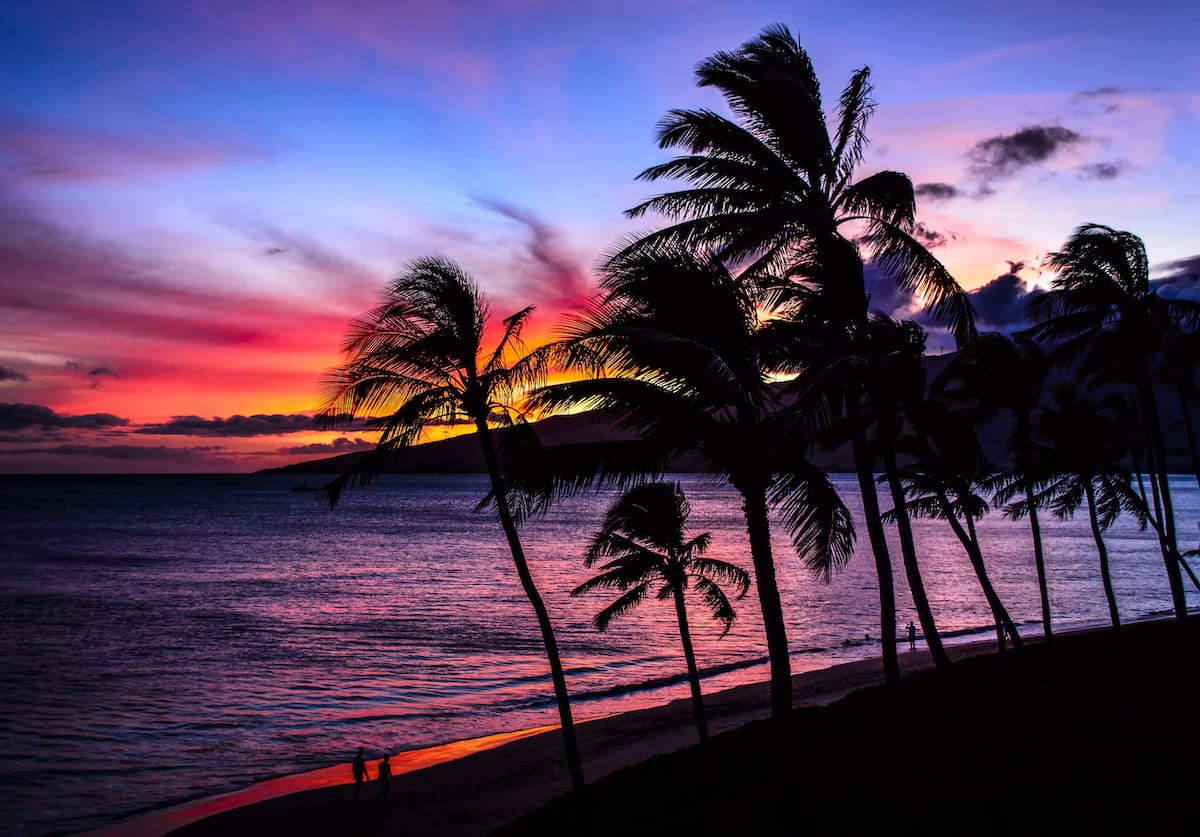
[{"x": 1093, "y": 734}]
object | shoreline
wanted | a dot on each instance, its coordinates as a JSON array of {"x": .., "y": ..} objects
[{"x": 472, "y": 786}]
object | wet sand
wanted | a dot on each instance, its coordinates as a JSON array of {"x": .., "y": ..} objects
[{"x": 471, "y": 787}]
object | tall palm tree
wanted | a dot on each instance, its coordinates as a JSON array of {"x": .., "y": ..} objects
[
  {"x": 992, "y": 373},
  {"x": 1082, "y": 446},
  {"x": 419, "y": 358},
  {"x": 773, "y": 186},
  {"x": 676, "y": 348},
  {"x": 1102, "y": 294},
  {"x": 644, "y": 545}
]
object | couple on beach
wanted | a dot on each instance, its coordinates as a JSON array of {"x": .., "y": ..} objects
[{"x": 383, "y": 774}]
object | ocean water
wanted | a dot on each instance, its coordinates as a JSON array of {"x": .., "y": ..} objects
[{"x": 165, "y": 638}]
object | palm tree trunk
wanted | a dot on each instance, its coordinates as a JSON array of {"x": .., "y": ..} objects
[
  {"x": 1105, "y": 574},
  {"x": 912, "y": 570},
  {"x": 557, "y": 676},
  {"x": 1039, "y": 560},
  {"x": 758, "y": 528},
  {"x": 1193, "y": 453},
  {"x": 883, "y": 566},
  {"x": 689, "y": 654},
  {"x": 1159, "y": 469},
  {"x": 970, "y": 545}
]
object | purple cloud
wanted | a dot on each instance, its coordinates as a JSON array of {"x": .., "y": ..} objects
[
  {"x": 337, "y": 446},
  {"x": 237, "y": 426},
  {"x": 37, "y": 152},
  {"x": 7, "y": 373},
  {"x": 1002, "y": 156},
  {"x": 550, "y": 275},
  {"x": 33, "y": 416},
  {"x": 937, "y": 191}
]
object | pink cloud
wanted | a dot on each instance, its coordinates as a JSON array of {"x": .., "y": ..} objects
[{"x": 35, "y": 152}]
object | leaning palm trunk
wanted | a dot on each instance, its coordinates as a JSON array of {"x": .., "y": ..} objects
[
  {"x": 883, "y": 568},
  {"x": 1159, "y": 476},
  {"x": 1039, "y": 560},
  {"x": 1105, "y": 573},
  {"x": 689, "y": 654},
  {"x": 571, "y": 746},
  {"x": 970, "y": 543},
  {"x": 912, "y": 569},
  {"x": 1193, "y": 453},
  {"x": 758, "y": 528}
]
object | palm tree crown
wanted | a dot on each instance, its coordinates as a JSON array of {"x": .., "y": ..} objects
[
  {"x": 642, "y": 543},
  {"x": 773, "y": 184}
]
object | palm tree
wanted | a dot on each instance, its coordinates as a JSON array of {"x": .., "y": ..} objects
[
  {"x": 942, "y": 482},
  {"x": 419, "y": 358},
  {"x": 1102, "y": 294},
  {"x": 995, "y": 372},
  {"x": 1082, "y": 446},
  {"x": 676, "y": 349},
  {"x": 775, "y": 188},
  {"x": 642, "y": 543}
]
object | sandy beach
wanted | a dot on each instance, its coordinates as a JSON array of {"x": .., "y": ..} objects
[{"x": 471, "y": 787}]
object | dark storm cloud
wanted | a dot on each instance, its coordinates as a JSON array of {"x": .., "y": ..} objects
[
  {"x": 7, "y": 373},
  {"x": 240, "y": 426},
  {"x": 1000, "y": 304},
  {"x": 1102, "y": 171},
  {"x": 337, "y": 446},
  {"x": 937, "y": 191},
  {"x": 1002, "y": 156},
  {"x": 31, "y": 416},
  {"x": 1181, "y": 280},
  {"x": 886, "y": 297}
]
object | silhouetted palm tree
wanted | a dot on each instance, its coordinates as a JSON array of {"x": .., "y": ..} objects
[
  {"x": 995, "y": 372},
  {"x": 1082, "y": 447},
  {"x": 419, "y": 358},
  {"x": 1102, "y": 294},
  {"x": 642, "y": 543},
  {"x": 946, "y": 472},
  {"x": 676, "y": 348},
  {"x": 775, "y": 187}
]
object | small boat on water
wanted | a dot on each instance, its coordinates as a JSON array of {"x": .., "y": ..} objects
[{"x": 306, "y": 487}]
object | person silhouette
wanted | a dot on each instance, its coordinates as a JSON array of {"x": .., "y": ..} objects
[
  {"x": 912, "y": 636},
  {"x": 383, "y": 773},
  {"x": 358, "y": 767}
]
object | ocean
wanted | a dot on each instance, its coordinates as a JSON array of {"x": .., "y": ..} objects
[{"x": 166, "y": 638}]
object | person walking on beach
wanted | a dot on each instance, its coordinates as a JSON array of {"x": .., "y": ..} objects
[
  {"x": 383, "y": 773},
  {"x": 359, "y": 768},
  {"x": 912, "y": 636}
]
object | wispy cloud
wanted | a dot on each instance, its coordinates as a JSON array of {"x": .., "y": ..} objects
[{"x": 32, "y": 152}]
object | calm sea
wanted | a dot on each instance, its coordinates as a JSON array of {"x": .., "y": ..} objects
[{"x": 167, "y": 638}]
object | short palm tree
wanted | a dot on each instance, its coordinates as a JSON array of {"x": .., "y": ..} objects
[
  {"x": 1102, "y": 296},
  {"x": 1082, "y": 448},
  {"x": 419, "y": 358},
  {"x": 643, "y": 546},
  {"x": 996, "y": 373}
]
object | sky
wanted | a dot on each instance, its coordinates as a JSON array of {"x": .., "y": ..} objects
[{"x": 197, "y": 197}]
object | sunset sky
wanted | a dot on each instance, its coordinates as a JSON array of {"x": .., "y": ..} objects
[{"x": 196, "y": 197}]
